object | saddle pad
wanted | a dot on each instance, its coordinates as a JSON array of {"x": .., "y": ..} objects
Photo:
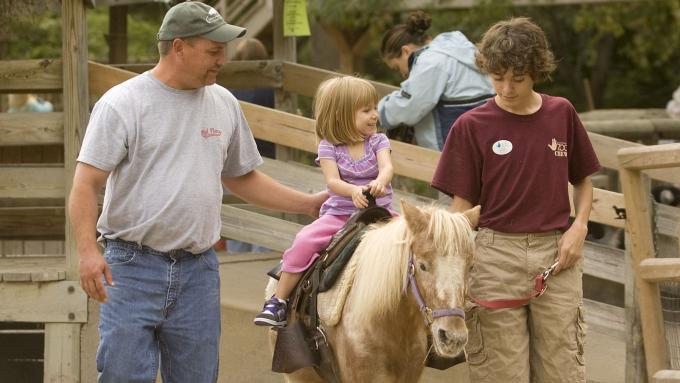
[{"x": 331, "y": 302}]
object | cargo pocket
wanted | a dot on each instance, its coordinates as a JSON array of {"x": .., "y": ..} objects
[
  {"x": 580, "y": 336},
  {"x": 476, "y": 354}
]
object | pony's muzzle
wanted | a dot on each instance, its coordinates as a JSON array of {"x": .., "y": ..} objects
[
  {"x": 450, "y": 340},
  {"x": 455, "y": 340}
]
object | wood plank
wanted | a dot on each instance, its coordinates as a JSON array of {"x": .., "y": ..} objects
[
  {"x": 641, "y": 247},
  {"x": 667, "y": 376},
  {"x": 18, "y": 129},
  {"x": 33, "y": 247},
  {"x": 272, "y": 233},
  {"x": 298, "y": 132},
  {"x": 623, "y": 114},
  {"x": 34, "y": 76},
  {"x": 304, "y": 80},
  {"x": 607, "y": 148},
  {"x": 636, "y": 369},
  {"x": 31, "y": 182},
  {"x": 647, "y": 157},
  {"x": 309, "y": 179},
  {"x": 636, "y": 129},
  {"x": 102, "y": 77},
  {"x": 603, "y": 207},
  {"x": 62, "y": 301},
  {"x": 667, "y": 220},
  {"x": 603, "y": 262},
  {"x": 76, "y": 115},
  {"x": 660, "y": 270},
  {"x": 54, "y": 247},
  {"x": 604, "y": 319},
  {"x": 62, "y": 353},
  {"x": 27, "y": 265},
  {"x": 44, "y": 223}
]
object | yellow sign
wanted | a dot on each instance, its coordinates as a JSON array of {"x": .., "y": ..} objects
[{"x": 295, "y": 22}]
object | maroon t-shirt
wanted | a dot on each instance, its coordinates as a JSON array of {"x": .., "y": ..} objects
[{"x": 517, "y": 166}]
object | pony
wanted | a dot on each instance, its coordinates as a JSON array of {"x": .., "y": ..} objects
[{"x": 409, "y": 284}]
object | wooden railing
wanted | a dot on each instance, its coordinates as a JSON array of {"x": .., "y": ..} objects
[{"x": 649, "y": 270}]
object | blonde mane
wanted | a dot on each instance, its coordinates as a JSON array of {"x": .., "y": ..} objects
[{"x": 383, "y": 254}]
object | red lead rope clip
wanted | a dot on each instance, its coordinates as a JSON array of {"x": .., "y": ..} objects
[
  {"x": 541, "y": 279},
  {"x": 539, "y": 288}
]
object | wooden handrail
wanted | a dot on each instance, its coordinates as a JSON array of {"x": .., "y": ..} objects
[
  {"x": 660, "y": 269},
  {"x": 650, "y": 157},
  {"x": 36, "y": 76}
]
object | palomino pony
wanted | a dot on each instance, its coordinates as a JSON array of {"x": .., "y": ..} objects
[{"x": 409, "y": 283}]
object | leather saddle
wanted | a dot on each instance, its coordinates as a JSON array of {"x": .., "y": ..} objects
[{"x": 342, "y": 245}]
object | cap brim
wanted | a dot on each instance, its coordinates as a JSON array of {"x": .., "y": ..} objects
[{"x": 225, "y": 33}]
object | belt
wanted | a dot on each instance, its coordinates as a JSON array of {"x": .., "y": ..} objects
[{"x": 465, "y": 101}]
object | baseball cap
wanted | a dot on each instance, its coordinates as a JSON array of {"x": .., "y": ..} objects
[{"x": 193, "y": 18}]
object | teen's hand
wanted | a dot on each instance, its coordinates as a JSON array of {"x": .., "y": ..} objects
[
  {"x": 376, "y": 188},
  {"x": 358, "y": 198},
  {"x": 570, "y": 246}
]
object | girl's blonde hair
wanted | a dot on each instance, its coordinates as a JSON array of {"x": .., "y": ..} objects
[{"x": 335, "y": 105}]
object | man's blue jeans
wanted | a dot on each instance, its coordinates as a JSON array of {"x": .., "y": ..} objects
[{"x": 163, "y": 310}]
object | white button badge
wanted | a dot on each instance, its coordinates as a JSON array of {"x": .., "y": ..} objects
[{"x": 502, "y": 147}]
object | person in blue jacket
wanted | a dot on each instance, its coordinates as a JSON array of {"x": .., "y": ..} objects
[{"x": 442, "y": 80}]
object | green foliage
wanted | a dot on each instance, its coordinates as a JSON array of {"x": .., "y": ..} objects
[
  {"x": 37, "y": 34},
  {"x": 34, "y": 36},
  {"x": 352, "y": 14},
  {"x": 141, "y": 34}
]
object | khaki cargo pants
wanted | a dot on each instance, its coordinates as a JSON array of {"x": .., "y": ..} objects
[{"x": 540, "y": 342}]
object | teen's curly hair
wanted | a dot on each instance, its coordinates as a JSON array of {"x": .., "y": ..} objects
[{"x": 518, "y": 44}]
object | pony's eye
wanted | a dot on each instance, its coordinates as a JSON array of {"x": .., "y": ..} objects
[{"x": 422, "y": 267}]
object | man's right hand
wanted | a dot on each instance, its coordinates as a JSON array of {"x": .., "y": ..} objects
[{"x": 92, "y": 265}]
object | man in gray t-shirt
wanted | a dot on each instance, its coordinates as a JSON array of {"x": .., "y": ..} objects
[{"x": 163, "y": 143}]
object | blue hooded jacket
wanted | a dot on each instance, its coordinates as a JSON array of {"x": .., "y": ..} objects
[{"x": 443, "y": 70}]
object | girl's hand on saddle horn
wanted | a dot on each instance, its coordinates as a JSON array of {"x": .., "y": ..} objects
[
  {"x": 376, "y": 188},
  {"x": 358, "y": 197}
]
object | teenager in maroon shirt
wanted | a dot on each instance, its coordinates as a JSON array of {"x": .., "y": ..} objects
[{"x": 515, "y": 156}]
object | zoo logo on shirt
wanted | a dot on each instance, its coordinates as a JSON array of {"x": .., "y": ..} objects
[{"x": 559, "y": 148}]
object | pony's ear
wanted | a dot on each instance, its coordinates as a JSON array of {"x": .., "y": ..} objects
[
  {"x": 472, "y": 216},
  {"x": 415, "y": 219}
]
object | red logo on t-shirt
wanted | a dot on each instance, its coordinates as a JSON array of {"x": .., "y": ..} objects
[
  {"x": 559, "y": 148},
  {"x": 212, "y": 132}
]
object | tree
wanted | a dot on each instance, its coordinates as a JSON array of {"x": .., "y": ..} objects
[{"x": 352, "y": 25}]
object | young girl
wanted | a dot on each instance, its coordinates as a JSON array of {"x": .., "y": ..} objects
[{"x": 353, "y": 158}]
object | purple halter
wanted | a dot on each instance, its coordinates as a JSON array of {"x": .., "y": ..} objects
[{"x": 429, "y": 314}]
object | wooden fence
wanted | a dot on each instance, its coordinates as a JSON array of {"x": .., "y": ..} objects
[{"x": 32, "y": 195}]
